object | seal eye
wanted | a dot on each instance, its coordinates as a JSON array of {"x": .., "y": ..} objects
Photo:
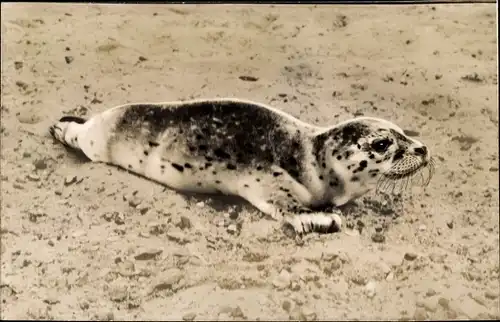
[{"x": 381, "y": 146}]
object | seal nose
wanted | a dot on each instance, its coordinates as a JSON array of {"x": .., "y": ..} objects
[{"x": 422, "y": 151}]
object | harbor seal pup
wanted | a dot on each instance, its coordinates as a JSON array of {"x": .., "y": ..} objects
[{"x": 284, "y": 167}]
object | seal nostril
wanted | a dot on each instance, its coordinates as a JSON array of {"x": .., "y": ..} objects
[{"x": 421, "y": 151}]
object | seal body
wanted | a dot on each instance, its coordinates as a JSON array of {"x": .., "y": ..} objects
[{"x": 281, "y": 165}]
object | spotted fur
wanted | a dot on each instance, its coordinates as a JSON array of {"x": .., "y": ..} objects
[{"x": 281, "y": 165}]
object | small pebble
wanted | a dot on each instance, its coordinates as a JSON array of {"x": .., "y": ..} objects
[
  {"x": 156, "y": 228},
  {"x": 79, "y": 233},
  {"x": 184, "y": 223},
  {"x": 70, "y": 180},
  {"x": 283, "y": 280},
  {"x": 491, "y": 295},
  {"x": 108, "y": 316},
  {"x": 410, "y": 256},
  {"x": 286, "y": 305},
  {"x": 119, "y": 218},
  {"x": 307, "y": 314},
  {"x": 294, "y": 286},
  {"x": 178, "y": 237},
  {"x": 40, "y": 164},
  {"x": 429, "y": 304},
  {"x": 17, "y": 186},
  {"x": 378, "y": 238},
  {"x": 143, "y": 208},
  {"x": 479, "y": 299},
  {"x": 370, "y": 289},
  {"x": 51, "y": 300},
  {"x": 232, "y": 229},
  {"x": 189, "y": 316},
  {"x": 148, "y": 254},
  {"x": 444, "y": 302},
  {"x": 69, "y": 59},
  {"x": 134, "y": 201},
  {"x": 84, "y": 305},
  {"x": 420, "y": 314},
  {"x": 33, "y": 177}
]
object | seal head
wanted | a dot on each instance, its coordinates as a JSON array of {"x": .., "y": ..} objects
[{"x": 365, "y": 153}]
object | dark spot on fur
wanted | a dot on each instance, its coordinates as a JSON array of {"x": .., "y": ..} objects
[
  {"x": 362, "y": 165},
  {"x": 217, "y": 181},
  {"x": 75, "y": 119},
  {"x": 399, "y": 154},
  {"x": 320, "y": 177},
  {"x": 199, "y": 184},
  {"x": 347, "y": 154},
  {"x": 214, "y": 173},
  {"x": 334, "y": 183},
  {"x": 140, "y": 161},
  {"x": 371, "y": 156},
  {"x": 373, "y": 175},
  {"x": 323, "y": 165},
  {"x": 91, "y": 143},
  {"x": 153, "y": 144},
  {"x": 221, "y": 154},
  {"x": 289, "y": 195},
  {"x": 178, "y": 167},
  {"x": 209, "y": 159},
  {"x": 187, "y": 165},
  {"x": 378, "y": 161},
  {"x": 162, "y": 166},
  {"x": 129, "y": 166},
  {"x": 400, "y": 137},
  {"x": 359, "y": 146},
  {"x": 245, "y": 185},
  {"x": 259, "y": 168},
  {"x": 191, "y": 148},
  {"x": 334, "y": 151},
  {"x": 208, "y": 165},
  {"x": 339, "y": 157},
  {"x": 257, "y": 179},
  {"x": 202, "y": 147},
  {"x": 199, "y": 137},
  {"x": 146, "y": 153},
  {"x": 277, "y": 174},
  {"x": 354, "y": 179},
  {"x": 231, "y": 166}
]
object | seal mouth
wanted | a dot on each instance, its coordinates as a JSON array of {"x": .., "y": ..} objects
[{"x": 406, "y": 173}]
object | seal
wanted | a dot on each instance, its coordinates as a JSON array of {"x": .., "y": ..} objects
[{"x": 284, "y": 167}]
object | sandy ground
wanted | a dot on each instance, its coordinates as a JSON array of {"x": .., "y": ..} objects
[{"x": 90, "y": 241}]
